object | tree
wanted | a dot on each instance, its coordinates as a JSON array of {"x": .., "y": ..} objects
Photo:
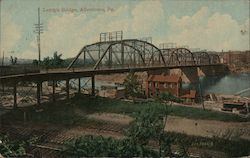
[
  {"x": 132, "y": 86},
  {"x": 149, "y": 124},
  {"x": 13, "y": 60},
  {"x": 56, "y": 60},
  {"x": 35, "y": 62},
  {"x": 169, "y": 97},
  {"x": 53, "y": 62}
]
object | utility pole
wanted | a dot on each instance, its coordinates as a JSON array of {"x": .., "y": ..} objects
[
  {"x": 39, "y": 31},
  {"x": 3, "y": 59},
  {"x": 201, "y": 96}
]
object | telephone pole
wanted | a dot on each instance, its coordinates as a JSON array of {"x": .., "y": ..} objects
[
  {"x": 39, "y": 31},
  {"x": 3, "y": 59}
]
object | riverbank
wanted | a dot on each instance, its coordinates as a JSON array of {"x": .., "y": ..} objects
[
  {"x": 196, "y": 127},
  {"x": 84, "y": 115},
  {"x": 239, "y": 68},
  {"x": 76, "y": 107}
]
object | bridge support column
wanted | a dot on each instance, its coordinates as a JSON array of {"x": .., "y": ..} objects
[
  {"x": 14, "y": 95},
  {"x": 53, "y": 91},
  {"x": 93, "y": 85},
  {"x": 79, "y": 85},
  {"x": 189, "y": 74},
  {"x": 2, "y": 86},
  {"x": 67, "y": 88},
  {"x": 38, "y": 92}
]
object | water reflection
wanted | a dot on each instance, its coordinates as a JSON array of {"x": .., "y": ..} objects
[{"x": 229, "y": 84}]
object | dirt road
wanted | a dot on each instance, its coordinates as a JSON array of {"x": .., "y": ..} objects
[{"x": 205, "y": 128}]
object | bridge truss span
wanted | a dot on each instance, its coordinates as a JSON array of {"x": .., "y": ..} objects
[
  {"x": 134, "y": 53},
  {"x": 119, "y": 54},
  {"x": 178, "y": 56}
]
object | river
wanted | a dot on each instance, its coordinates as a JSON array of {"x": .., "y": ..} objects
[{"x": 229, "y": 84}]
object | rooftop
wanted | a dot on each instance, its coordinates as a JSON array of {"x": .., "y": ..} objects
[
  {"x": 191, "y": 94},
  {"x": 164, "y": 78}
]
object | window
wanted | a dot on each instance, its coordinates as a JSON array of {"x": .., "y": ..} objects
[
  {"x": 165, "y": 85},
  {"x": 170, "y": 85},
  {"x": 156, "y": 84}
]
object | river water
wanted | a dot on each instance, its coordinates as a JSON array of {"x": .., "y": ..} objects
[{"x": 229, "y": 84}]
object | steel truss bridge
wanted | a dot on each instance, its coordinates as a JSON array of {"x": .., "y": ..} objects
[
  {"x": 103, "y": 58},
  {"x": 138, "y": 53}
]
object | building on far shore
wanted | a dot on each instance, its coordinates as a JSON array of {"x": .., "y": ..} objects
[
  {"x": 236, "y": 57},
  {"x": 189, "y": 96},
  {"x": 157, "y": 84}
]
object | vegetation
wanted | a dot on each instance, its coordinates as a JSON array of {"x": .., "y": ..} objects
[
  {"x": 144, "y": 131},
  {"x": 132, "y": 86},
  {"x": 74, "y": 111},
  {"x": 13, "y": 60},
  {"x": 232, "y": 148},
  {"x": 148, "y": 124},
  {"x": 169, "y": 97},
  {"x": 53, "y": 62},
  {"x": 90, "y": 146},
  {"x": 56, "y": 61},
  {"x": 16, "y": 148},
  {"x": 147, "y": 129}
]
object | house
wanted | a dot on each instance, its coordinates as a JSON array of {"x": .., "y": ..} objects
[
  {"x": 157, "y": 84},
  {"x": 118, "y": 92},
  {"x": 189, "y": 96}
]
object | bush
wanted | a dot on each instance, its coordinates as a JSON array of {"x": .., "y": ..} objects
[
  {"x": 169, "y": 97},
  {"x": 16, "y": 148},
  {"x": 91, "y": 146}
]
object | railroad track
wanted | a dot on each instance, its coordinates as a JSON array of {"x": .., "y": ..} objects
[{"x": 50, "y": 142}]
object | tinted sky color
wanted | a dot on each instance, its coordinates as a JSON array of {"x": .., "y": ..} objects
[{"x": 69, "y": 25}]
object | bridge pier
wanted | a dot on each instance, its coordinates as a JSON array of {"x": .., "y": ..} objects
[
  {"x": 93, "y": 85},
  {"x": 53, "y": 91},
  {"x": 213, "y": 70},
  {"x": 38, "y": 92},
  {"x": 3, "y": 87},
  {"x": 189, "y": 75},
  {"x": 14, "y": 95},
  {"x": 79, "y": 85},
  {"x": 67, "y": 88}
]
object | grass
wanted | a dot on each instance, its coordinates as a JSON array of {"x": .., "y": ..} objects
[
  {"x": 74, "y": 111},
  {"x": 231, "y": 147},
  {"x": 100, "y": 104}
]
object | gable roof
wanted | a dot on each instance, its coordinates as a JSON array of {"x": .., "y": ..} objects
[
  {"x": 191, "y": 94},
  {"x": 164, "y": 78}
]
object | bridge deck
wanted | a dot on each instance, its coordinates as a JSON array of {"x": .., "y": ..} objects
[{"x": 70, "y": 74}]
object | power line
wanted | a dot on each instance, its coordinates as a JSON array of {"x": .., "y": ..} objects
[{"x": 39, "y": 31}]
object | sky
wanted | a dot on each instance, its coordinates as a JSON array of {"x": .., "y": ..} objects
[{"x": 69, "y": 25}]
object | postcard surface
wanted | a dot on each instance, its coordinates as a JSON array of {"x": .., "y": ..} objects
[{"x": 124, "y": 78}]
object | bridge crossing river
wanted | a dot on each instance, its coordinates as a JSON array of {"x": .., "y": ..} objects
[{"x": 108, "y": 57}]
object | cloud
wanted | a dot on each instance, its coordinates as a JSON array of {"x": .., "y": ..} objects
[
  {"x": 28, "y": 54},
  {"x": 64, "y": 34},
  {"x": 10, "y": 33},
  {"x": 209, "y": 31},
  {"x": 147, "y": 16},
  {"x": 68, "y": 33}
]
